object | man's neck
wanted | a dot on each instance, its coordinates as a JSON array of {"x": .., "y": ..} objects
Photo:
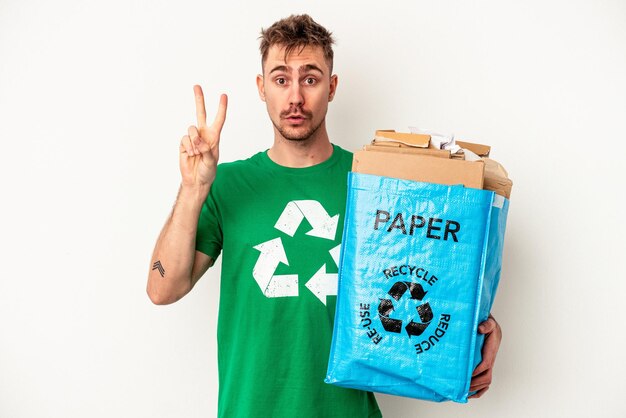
[{"x": 300, "y": 154}]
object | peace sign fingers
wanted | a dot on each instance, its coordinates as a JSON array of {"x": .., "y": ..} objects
[
  {"x": 199, "y": 149},
  {"x": 218, "y": 123}
]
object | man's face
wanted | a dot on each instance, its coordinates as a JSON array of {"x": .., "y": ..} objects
[{"x": 297, "y": 91}]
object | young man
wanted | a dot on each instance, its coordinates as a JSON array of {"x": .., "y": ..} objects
[{"x": 277, "y": 297}]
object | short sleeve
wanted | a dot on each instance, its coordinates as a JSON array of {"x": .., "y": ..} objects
[{"x": 209, "y": 235}]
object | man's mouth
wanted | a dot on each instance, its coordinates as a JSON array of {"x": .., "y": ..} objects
[{"x": 295, "y": 119}]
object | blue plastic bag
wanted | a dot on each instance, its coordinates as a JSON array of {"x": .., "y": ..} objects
[{"x": 419, "y": 268}]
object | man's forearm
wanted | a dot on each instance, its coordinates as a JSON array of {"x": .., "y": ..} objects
[{"x": 170, "y": 276}]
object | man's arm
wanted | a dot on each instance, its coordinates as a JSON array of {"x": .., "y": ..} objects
[
  {"x": 176, "y": 266},
  {"x": 481, "y": 378}
]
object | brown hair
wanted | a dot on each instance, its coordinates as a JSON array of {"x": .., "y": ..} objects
[{"x": 297, "y": 31}]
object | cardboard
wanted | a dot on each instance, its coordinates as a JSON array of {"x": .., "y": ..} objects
[
  {"x": 398, "y": 148},
  {"x": 412, "y": 157},
  {"x": 411, "y": 140},
  {"x": 478, "y": 149},
  {"x": 419, "y": 168}
]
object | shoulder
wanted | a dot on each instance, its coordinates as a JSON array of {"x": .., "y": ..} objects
[
  {"x": 241, "y": 166},
  {"x": 235, "y": 177},
  {"x": 342, "y": 152}
]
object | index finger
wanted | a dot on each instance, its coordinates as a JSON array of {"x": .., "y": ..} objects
[{"x": 200, "y": 109}]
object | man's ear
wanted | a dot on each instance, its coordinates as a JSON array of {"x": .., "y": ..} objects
[
  {"x": 260, "y": 86},
  {"x": 334, "y": 80}
]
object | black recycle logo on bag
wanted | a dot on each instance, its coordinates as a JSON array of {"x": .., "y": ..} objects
[{"x": 397, "y": 291}]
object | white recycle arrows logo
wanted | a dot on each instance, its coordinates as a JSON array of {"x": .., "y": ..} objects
[{"x": 272, "y": 254}]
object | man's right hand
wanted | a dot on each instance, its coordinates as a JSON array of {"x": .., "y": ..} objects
[
  {"x": 199, "y": 149},
  {"x": 176, "y": 265}
]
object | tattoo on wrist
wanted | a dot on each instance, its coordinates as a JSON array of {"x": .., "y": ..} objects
[{"x": 157, "y": 266}]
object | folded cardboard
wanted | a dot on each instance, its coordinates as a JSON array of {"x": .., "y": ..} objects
[
  {"x": 478, "y": 149},
  {"x": 385, "y": 137},
  {"x": 419, "y": 168},
  {"x": 456, "y": 170},
  {"x": 399, "y": 149}
]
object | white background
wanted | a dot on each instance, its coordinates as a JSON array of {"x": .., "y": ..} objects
[{"x": 94, "y": 97}]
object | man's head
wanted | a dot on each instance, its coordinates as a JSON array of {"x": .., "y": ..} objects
[{"x": 297, "y": 81}]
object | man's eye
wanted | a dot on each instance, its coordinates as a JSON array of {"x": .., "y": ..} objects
[
  {"x": 310, "y": 81},
  {"x": 281, "y": 81}
]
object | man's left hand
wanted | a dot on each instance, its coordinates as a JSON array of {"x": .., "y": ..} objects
[{"x": 481, "y": 378}]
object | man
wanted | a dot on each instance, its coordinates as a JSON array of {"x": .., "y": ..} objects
[{"x": 276, "y": 315}]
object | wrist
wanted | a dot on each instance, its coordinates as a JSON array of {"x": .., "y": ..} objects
[{"x": 193, "y": 193}]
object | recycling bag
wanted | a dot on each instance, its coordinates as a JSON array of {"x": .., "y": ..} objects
[{"x": 419, "y": 269}]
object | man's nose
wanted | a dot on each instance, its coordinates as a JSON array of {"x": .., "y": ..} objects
[{"x": 295, "y": 95}]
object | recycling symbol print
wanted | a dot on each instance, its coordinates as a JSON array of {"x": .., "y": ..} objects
[
  {"x": 272, "y": 252},
  {"x": 416, "y": 293}
]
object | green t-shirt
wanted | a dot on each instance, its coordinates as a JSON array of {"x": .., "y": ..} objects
[{"x": 278, "y": 229}]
